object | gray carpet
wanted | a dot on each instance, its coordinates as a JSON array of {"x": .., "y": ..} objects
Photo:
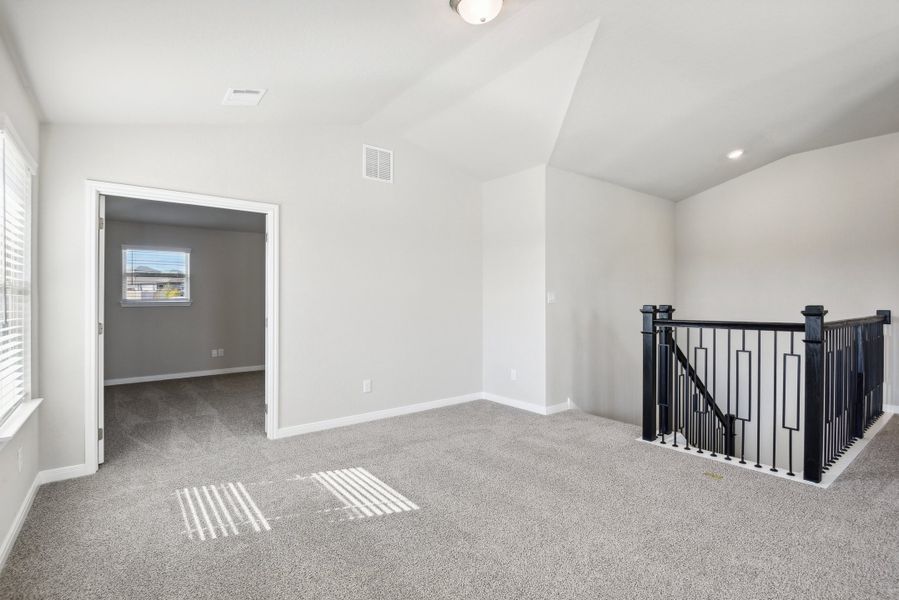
[{"x": 512, "y": 505}]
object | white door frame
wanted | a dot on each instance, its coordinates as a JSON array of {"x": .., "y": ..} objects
[{"x": 93, "y": 384}]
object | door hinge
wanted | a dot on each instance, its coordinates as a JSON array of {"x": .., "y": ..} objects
[
  {"x": 99, "y": 328},
  {"x": 100, "y": 434},
  {"x": 266, "y": 237},
  {"x": 102, "y": 223}
]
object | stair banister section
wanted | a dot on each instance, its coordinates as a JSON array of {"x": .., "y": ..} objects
[{"x": 786, "y": 396}]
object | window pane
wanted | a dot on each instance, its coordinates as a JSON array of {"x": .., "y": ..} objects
[
  {"x": 15, "y": 277},
  {"x": 155, "y": 275}
]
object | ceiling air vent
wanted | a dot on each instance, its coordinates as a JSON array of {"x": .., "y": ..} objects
[
  {"x": 377, "y": 164},
  {"x": 243, "y": 96}
]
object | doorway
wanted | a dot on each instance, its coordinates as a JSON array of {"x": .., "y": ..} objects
[{"x": 152, "y": 285}]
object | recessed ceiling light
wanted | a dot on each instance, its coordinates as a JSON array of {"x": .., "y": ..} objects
[
  {"x": 735, "y": 154},
  {"x": 243, "y": 96},
  {"x": 477, "y": 12}
]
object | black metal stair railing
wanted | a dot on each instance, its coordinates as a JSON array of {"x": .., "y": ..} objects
[{"x": 761, "y": 391}]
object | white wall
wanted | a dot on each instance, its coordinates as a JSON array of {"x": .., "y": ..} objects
[
  {"x": 815, "y": 228},
  {"x": 609, "y": 250},
  {"x": 227, "y": 309},
  {"x": 514, "y": 230},
  {"x": 14, "y": 485},
  {"x": 377, "y": 281}
]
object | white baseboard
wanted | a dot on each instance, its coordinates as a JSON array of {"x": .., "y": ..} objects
[
  {"x": 187, "y": 375},
  {"x": 10, "y": 539},
  {"x": 63, "y": 473},
  {"x": 373, "y": 416},
  {"x": 42, "y": 477},
  {"x": 528, "y": 406},
  {"x": 291, "y": 431},
  {"x": 891, "y": 408}
]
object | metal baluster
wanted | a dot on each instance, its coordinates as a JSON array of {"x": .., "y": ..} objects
[
  {"x": 790, "y": 433},
  {"x": 742, "y": 421},
  {"x": 697, "y": 400},
  {"x": 774, "y": 410},
  {"x": 687, "y": 398},
  {"x": 758, "y": 405},
  {"x": 714, "y": 420},
  {"x": 727, "y": 441},
  {"x": 675, "y": 388}
]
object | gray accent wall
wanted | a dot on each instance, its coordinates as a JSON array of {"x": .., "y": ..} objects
[{"x": 227, "y": 310}]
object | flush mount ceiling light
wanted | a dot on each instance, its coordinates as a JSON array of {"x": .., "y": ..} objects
[
  {"x": 736, "y": 154},
  {"x": 477, "y": 12}
]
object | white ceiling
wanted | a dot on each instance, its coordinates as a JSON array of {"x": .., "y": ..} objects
[
  {"x": 651, "y": 98},
  {"x": 183, "y": 215}
]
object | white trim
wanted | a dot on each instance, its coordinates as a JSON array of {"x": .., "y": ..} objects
[
  {"x": 830, "y": 475},
  {"x": 10, "y": 539},
  {"x": 528, "y": 406},
  {"x": 63, "y": 473},
  {"x": 10, "y": 427},
  {"x": 375, "y": 415},
  {"x": 186, "y": 375},
  {"x": 891, "y": 408},
  {"x": 414, "y": 408},
  {"x": 92, "y": 389}
]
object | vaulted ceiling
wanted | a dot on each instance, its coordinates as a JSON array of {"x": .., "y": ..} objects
[{"x": 649, "y": 94}]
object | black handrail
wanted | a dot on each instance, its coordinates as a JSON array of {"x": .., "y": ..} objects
[
  {"x": 879, "y": 319},
  {"x": 747, "y": 325}
]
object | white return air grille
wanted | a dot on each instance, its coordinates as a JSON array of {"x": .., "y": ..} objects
[{"x": 377, "y": 164}]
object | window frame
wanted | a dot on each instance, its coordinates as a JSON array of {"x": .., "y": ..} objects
[
  {"x": 9, "y": 136},
  {"x": 186, "y": 301}
]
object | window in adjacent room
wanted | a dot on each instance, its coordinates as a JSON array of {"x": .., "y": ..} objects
[
  {"x": 155, "y": 276},
  {"x": 15, "y": 247}
]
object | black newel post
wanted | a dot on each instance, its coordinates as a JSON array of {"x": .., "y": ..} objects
[
  {"x": 649, "y": 373},
  {"x": 814, "y": 393},
  {"x": 665, "y": 355}
]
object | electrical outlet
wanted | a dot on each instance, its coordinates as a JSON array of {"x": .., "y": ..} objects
[
  {"x": 20, "y": 456},
  {"x": 221, "y": 351},
  {"x": 550, "y": 297},
  {"x": 215, "y": 353},
  {"x": 366, "y": 386},
  {"x": 513, "y": 375}
]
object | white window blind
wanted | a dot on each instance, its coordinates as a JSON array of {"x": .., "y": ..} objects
[
  {"x": 15, "y": 305},
  {"x": 153, "y": 275}
]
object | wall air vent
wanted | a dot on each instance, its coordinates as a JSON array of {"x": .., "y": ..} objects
[
  {"x": 243, "y": 96},
  {"x": 377, "y": 164}
]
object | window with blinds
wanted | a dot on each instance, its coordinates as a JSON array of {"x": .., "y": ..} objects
[
  {"x": 154, "y": 276},
  {"x": 15, "y": 305}
]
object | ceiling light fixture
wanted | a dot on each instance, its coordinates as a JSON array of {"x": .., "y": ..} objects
[
  {"x": 735, "y": 154},
  {"x": 477, "y": 12}
]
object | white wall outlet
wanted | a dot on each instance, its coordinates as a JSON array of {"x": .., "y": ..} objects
[
  {"x": 366, "y": 386},
  {"x": 550, "y": 297},
  {"x": 513, "y": 375},
  {"x": 215, "y": 353},
  {"x": 221, "y": 351},
  {"x": 20, "y": 457}
]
